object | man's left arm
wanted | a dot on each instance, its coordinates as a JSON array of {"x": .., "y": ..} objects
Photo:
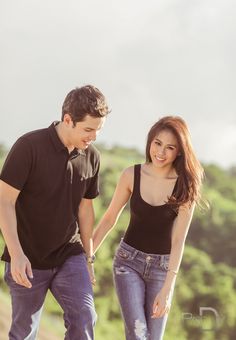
[{"x": 86, "y": 218}]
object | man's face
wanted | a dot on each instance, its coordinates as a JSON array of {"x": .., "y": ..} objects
[{"x": 85, "y": 132}]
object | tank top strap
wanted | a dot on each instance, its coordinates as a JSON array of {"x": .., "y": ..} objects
[
  {"x": 175, "y": 187},
  {"x": 137, "y": 170}
]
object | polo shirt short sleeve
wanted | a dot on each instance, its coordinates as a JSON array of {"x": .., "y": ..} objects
[
  {"x": 17, "y": 166},
  {"x": 93, "y": 187}
]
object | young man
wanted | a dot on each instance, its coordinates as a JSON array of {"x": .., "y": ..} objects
[{"x": 47, "y": 185}]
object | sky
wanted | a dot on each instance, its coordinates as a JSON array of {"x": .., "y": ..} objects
[{"x": 149, "y": 58}]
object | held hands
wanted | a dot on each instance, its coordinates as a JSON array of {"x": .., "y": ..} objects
[
  {"x": 90, "y": 265},
  {"x": 161, "y": 305},
  {"x": 91, "y": 273},
  {"x": 21, "y": 270}
]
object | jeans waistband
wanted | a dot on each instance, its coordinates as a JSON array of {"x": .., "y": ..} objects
[{"x": 160, "y": 258}]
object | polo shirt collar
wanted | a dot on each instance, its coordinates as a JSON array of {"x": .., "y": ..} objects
[{"x": 59, "y": 146}]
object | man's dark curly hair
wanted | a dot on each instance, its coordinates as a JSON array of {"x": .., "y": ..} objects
[{"x": 83, "y": 101}]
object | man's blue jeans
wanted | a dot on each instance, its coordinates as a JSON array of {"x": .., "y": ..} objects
[
  {"x": 138, "y": 278},
  {"x": 70, "y": 284}
]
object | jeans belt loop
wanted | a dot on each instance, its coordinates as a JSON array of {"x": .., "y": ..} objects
[{"x": 162, "y": 262}]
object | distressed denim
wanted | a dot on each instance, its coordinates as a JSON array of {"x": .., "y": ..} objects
[
  {"x": 70, "y": 284},
  {"x": 138, "y": 278}
]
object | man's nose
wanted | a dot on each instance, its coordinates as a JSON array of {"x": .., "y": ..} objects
[{"x": 93, "y": 136}]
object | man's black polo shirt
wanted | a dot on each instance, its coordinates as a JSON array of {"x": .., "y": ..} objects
[{"x": 52, "y": 183}]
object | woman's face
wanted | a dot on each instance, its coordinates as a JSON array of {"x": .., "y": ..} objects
[{"x": 164, "y": 149}]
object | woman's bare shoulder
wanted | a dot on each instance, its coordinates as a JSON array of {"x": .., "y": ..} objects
[
  {"x": 128, "y": 173},
  {"x": 128, "y": 176}
]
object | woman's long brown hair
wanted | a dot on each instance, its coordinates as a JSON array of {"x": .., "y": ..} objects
[{"x": 188, "y": 168}]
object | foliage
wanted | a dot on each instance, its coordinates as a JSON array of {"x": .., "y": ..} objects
[{"x": 218, "y": 225}]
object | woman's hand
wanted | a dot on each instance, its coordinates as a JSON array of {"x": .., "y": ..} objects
[
  {"x": 161, "y": 305},
  {"x": 91, "y": 273}
]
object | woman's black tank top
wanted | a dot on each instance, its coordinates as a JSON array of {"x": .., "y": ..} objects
[{"x": 150, "y": 226}]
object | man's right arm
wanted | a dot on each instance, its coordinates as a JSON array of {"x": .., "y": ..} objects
[{"x": 20, "y": 265}]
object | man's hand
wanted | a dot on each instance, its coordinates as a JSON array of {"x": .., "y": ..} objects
[
  {"x": 21, "y": 270},
  {"x": 91, "y": 273}
]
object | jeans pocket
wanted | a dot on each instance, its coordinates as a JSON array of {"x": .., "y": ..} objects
[{"x": 123, "y": 254}]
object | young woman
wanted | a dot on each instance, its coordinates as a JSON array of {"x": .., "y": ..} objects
[{"x": 163, "y": 192}]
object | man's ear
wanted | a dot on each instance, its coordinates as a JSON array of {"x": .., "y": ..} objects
[{"x": 67, "y": 118}]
